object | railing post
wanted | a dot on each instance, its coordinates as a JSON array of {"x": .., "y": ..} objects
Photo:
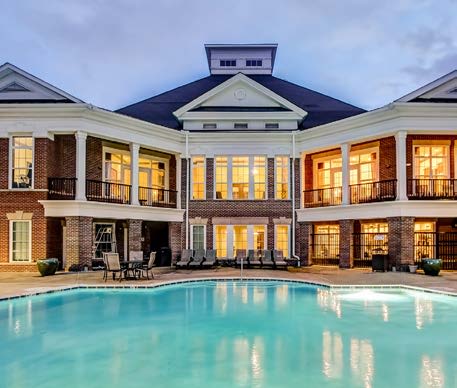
[
  {"x": 400, "y": 144},
  {"x": 80, "y": 194}
]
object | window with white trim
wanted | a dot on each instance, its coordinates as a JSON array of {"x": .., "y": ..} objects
[
  {"x": 117, "y": 166},
  {"x": 221, "y": 241},
  {"x": 20, "y": 240},
  {"x": 198, "y": 177},
  {"x": 282, "y": 177},
  {"x": 328, "y": 172},
  {"x": 221, "y": 177},
  {"x": 431, "y": 161},
  {"x": 22, "y": 162},
  {"x": 253, "y": 63},
  {"x": 363, "y": 166},
  {"x": 282, "y": 239},
  {"x": 240, "y": 177},
  {"x": 259, "y": 173},
  {"x": 259, "y": 237},
  {"x": 240, "y": 237},
  {"x": 198, "y": 237}
]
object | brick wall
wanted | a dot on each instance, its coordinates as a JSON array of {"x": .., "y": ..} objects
[
  {"x": 54, "y": 238},
  {"x": 176, "y": 238},
  {"x": 64, "y": 156},
  {"x": 134, "y": 235},
  {"x": 304, "y": 241},
  {"x": 387, "y": 158},
  {"x": 94, "y": 158},
  {"x": 172, "y": 173},
  {"x": 40, "y": 174},
  {"x": 346, "y": 246},
  {"x": 4, "y": 144},
  {"x": 409, "y": 151},
  {"x": 79, "y": 241},
  {"x": 401, "y": 241}
]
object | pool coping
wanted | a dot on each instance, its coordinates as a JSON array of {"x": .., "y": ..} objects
[{"x": 227, "y": 279}]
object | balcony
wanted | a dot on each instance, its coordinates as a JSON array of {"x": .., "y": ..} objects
[
  {"x": 110, "y": 192},
  {"x": 61, "y": 188},
  {"x": 331, "y": 196},
  {"x": 380, "y": 191},
  {"x": 433, "y": 189}
]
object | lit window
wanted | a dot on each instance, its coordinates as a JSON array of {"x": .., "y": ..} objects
[
  {"x": 424, "y": 240},
  {"x": 198, "y": 177},
  {"x": 240, "y": 177},
  {"x": 227, "y": 63},
  {"x": 198, "y": 237},
  {"x": 240, "y": 237},
  {"x": 431, "y": 162},
  {"x": 363, "y": 167},
  {"x": 221, "y": 241},
  {"x": 259, "y": 173},
  {"x": 22, "y": 158},
  {"x": 282, "y": 177},
  {"x": 377, "y": 227},
  {"x": 326, "y": 242},
  {"x": 20, "y": 241},
  {"x": 221, "y": 177},
  {"x": 117, "y": 167},
  {"x": 271, "y": 125},
  {"x": 240, "y": 125},
  {"x": 282, "y": 239},
  {"x": 151, "y": 175},
  {"x": 259, "y": 237},
  {"x": 209, "y": 126},
  {"x": 328, "y": 173},
  {"x": 253, "y": 62}
]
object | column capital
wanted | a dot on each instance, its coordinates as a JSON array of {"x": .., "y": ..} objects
[
  {"x": 80, "y": 135},
  {"x": 134, "y": 146},
  {"x": 401, "y": 135}
]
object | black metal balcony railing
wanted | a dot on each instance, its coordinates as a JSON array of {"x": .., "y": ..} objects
[
  {"x": 150, "y": 196},
  {"x": 323, "y": 197},
  {"x": 432, "y": 188},
  {"x": 374, "y": 191},
  {"x": 107, "y": 192},
  {"x": 61, "y": 188}
]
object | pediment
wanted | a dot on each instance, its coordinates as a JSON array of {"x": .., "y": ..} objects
[
  {"x": 240, "y": 93},
  {"x": 17, "y": 85},
  {"x": 443, "y": 89}
]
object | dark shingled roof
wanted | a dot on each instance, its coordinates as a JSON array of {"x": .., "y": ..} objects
[{"x": 321, "y": 109}]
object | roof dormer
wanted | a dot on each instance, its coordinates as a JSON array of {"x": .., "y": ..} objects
[{"x": 241, "y": 58}]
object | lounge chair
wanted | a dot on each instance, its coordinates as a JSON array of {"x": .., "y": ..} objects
[
  {"x": 198, "y": 258},
  {"x": 253, "y": 258},
  {"x": 279, "y": 259},
  {"x": 114, "y": 265},
  {"x": 186, "y": 257},
  {"x": 266, "y": 259},
  {"x": 210, "y": 258},
  {"x": 240, "y": 255},
  {"x": 148, "y": 267}
]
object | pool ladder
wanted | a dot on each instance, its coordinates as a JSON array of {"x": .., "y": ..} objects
[{"x": 241, "y": 270}]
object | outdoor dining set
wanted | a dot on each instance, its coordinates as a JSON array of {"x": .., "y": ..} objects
[{"x": 134, "y": 268}]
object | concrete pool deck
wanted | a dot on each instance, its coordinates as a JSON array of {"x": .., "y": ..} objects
[{"x": 19, "y": 284}]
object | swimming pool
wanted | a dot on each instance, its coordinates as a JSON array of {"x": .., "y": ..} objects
[{"x": 229, "y": 334}]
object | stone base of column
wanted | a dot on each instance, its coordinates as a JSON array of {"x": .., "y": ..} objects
[
  {"x": 346, "y": 246},
  {"x": 304, "y": 242},
  {"x": 78, "y": 241},
  {"x": 175, "y": 230},
  {"x": 134, "y": 233},
  {"x": 401, "y": 242}
]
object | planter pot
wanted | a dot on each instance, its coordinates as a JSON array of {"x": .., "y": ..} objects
[
  {"x": 413, "y": 268},
  {"x": 431, "y": 267},
  {"x": 47, "y": 266}
]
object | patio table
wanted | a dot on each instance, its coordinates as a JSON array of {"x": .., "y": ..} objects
[{"x": 130, "y": 266}]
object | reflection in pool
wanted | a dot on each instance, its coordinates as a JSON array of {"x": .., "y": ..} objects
[{"x": 229, "y": 334}]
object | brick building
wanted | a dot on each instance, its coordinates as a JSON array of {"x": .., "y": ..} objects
[{"x": 236, "y": 160}]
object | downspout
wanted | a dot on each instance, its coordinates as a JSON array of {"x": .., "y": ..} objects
[
  {"x": 187, "y": 189},
  {"x": 294, "y": 256}
]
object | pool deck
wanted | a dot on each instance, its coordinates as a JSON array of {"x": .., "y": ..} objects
[{"x": 19, "y": 284}]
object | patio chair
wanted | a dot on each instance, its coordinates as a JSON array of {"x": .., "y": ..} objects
[
  {"x": 266, "y": 259},
  {"x": 198, "y": 258},
  {"x": 210, "y": 258},
  {"x": 114, "y": 265},
  {"x": 253, "y": 258},
  {"x": 186, "y": 257},
  {"x": 240, "y": 255},
  {"x": 279, "y": 259},
  {"x": 105, "y": 266},
  {"x": 150, "y": 264}
]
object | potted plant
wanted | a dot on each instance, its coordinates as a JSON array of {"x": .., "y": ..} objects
[
  {"x": 413, "y": 268},
  {"x": 47, "y": 266},
  {"x": 431, "y": 267}
]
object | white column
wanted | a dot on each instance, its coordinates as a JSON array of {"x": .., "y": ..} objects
[
  {"x": 80, "y": 166},
  {"x": 345, "y": 150},
  {"x": 400, "y": 145},
  {"x": 178, "y": 180},
  {"x": 134, "y": 161},
  {"x": 230, "y": 240},
  {"x": 250, "y": 231}
]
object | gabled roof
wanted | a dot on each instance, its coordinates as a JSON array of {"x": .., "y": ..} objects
[
  {"x": 18, "y": 86},
  {"x": 443, "y": 89},
  {"x": 321, "y": 109}
]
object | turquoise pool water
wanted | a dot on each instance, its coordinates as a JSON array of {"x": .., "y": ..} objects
[{"x": 229, "y": 334}]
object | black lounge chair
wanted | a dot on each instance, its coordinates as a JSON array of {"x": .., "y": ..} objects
[
  {"x": 210, "y": 258},
  {"x": 266, "y": 259},
  {"x": 186, "y": 257},
  {"x": 150, "y": 264},
  {"x": 253, "y": 258},
  {"x": 240, "y": 255},
  {"x": 279, "y": 259},
  {"x": 197, "y": 259}
]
